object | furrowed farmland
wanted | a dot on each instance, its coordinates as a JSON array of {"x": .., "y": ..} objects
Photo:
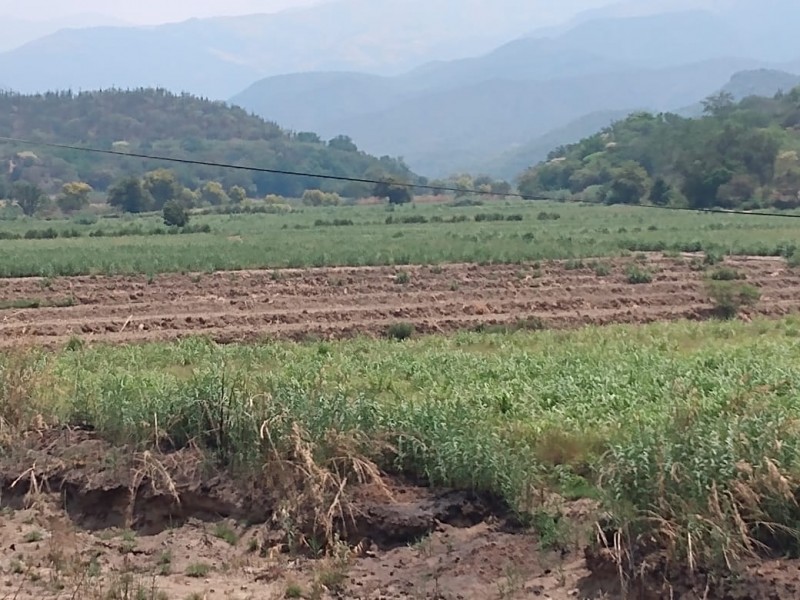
[{"x": 505, "y": 400}]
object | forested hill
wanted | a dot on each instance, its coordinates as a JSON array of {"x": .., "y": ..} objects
[
  {"x": 150, "y": 121},
  {"x": 739, "y": 155}
]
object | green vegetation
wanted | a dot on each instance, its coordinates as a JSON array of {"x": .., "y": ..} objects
[
  {"x": 741, "y": 155},
  {"x": 400, "y": 331},
  {"x": 416, "y": 234},
  {"x": 684, "y": 431},
  {"x": 198, "y": 570},
  {"x": 730, "y": 297},
  {"x": 158, "y": 122},
  {"x": 637, "y": 275}
]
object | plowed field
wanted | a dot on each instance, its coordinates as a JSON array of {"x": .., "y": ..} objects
[{"x": 341, "y": 302}]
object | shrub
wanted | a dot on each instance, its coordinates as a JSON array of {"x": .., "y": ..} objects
[
  {"x": 730, "y": 297},
  {"x": 402, "y": 278},
  {"x": 712, "y": 258},
  {"x": 400, "y": 331},
  {"x": 175, "y": 215},
  {"x": 489, "y": 217},
  {"x": 601, "y": 269},
  {"x": 636, "y": 275},
  {"x": 573, "y": 265},
  {"x": 727, "y": 274},
  {"x": 548, "y": 216},
  {"x": 198, "y": 570}
]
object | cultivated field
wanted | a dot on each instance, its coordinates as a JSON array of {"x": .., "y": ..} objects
[
  {"x": 334, "y": 303},
  {"x": 309, "y": 238},
  {"x": 613, "y": 411}
]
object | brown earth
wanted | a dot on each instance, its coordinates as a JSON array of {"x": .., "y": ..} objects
[
  {"x": 342, "y": 302},
  {"x": 80, "y": 519}
]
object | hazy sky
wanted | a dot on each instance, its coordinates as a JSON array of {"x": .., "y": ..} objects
[{"x": 143, "y": 11}]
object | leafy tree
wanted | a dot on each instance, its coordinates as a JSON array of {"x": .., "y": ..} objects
[
  {"x": 163, "y": 186},
  {"x": 660, "y": 192},
  {"x": 344, "y": 143},
  {"x": 129, "y": 195},
  {"x": 237, "y": 194},
  {"x": 29, "y": 197},
  {"x": 394, "y": 190},
  {"x": 701, "y": 184},
  {"x": 74, "y": 196},
  {"x": 718, "y": 104},
  {"x": 320, "y": 198},
  {"x": 188, "y": 198},
  {"x": 501, "y": 188},
  {"x": 628, "y": 185},
  {"x": 214, "y": 194},
  {"x": 738, "y": 190},
  {"x": 175, "y": 215},
  {"x": 308, "y": 137}
]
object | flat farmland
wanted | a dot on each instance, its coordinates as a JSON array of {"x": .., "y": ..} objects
[
  {"x": 357, "y": 236},
  {"x": 230, "y": 413},
  {"x": 330, "y": 303}
]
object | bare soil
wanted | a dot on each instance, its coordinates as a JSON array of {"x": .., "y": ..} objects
[
  {"x": 81, "y": 519},
  {"x": 342, "y": 302}
]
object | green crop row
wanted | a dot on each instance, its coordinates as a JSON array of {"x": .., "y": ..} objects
[
  {"x": 689, "y": 432},
  {"x": 427, "y": 234}
]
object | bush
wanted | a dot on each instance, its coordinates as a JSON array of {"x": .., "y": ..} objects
[
  {"x": 636, "y": 275},
  {"x": 730, "y": 297},
  {"x": 489, "y": 217},
  {"x": 727, "y": 274},
  {"x": 175, "y": 215},
  {"x": 334, "y": 223},
  {"x": 548, "y": 216},
  {"x": 400, "y": 331},
  {"x": 573, "y": 265},
  {"x": 402, "y": 278},
  {"x": 712, "y": 258},
  {"x": 601, "y": 269}
]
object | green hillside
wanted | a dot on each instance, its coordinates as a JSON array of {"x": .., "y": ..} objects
[
  {"x": 152, "y": 121},
  {"x": 739, "y": 155}
]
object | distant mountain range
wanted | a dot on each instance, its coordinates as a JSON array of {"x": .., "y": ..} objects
[
  {"x": 17, "y": 32},
  {"x": 219, "y": 57},
  {"x": 456, "y": 115},
  {"x": 391, "y": 73}
]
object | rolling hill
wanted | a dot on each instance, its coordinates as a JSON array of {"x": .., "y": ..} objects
[
  {"x": 152, "y": 121},
  {"x": 508, "y": 165},
  {"x": 738, "y": 155}
]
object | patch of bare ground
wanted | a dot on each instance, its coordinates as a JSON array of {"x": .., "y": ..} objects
[
  {"x": 82, "y": 519},
  {"x": 342, "y": 302}
]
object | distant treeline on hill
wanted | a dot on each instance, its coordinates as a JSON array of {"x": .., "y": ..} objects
[
  {"x": 154, "y": 121},
  {"x": 739, "y": 155}
]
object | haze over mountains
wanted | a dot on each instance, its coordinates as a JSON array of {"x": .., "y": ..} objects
[
  {"x": 219, "y": 57},
  {"x": 449, "y": 85}
]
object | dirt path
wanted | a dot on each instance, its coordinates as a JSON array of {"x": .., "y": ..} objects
[{"x": 335, "y": 303}]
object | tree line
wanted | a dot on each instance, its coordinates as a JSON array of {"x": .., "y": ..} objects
[{"x": 738, "y": 155}]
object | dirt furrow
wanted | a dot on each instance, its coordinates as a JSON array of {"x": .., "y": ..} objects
[{"x": 333, "y": 303}]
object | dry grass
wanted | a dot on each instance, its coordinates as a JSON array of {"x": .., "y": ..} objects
[{"x": 315, "y": 506}]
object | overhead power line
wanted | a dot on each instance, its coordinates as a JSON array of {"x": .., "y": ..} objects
[{"x": 437, "y": 188}]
